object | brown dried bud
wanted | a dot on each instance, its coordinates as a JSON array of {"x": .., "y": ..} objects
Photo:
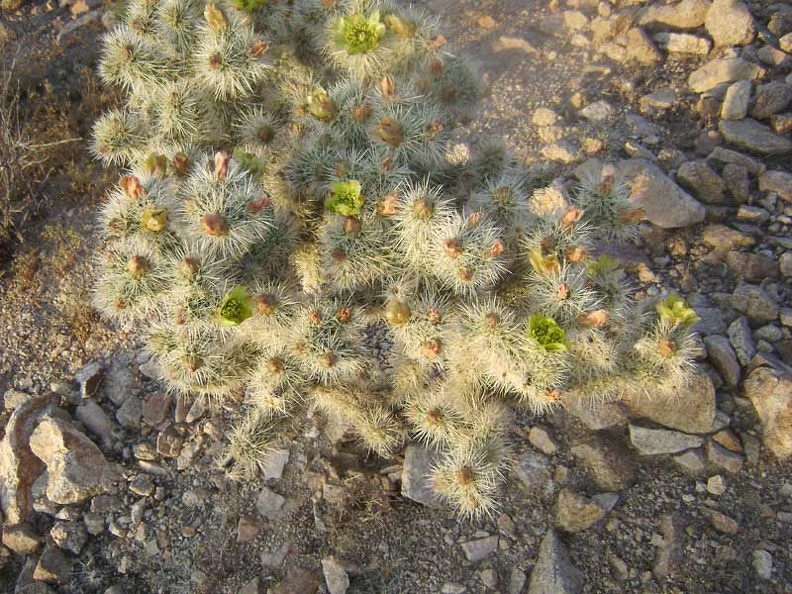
[
  {"x": 115, "y": 226},
  {"x": 434, "y": 315},
  {"x": 344, "y": 315},
  {"x": 119, "y": 304},
  {"x": 215, "y": 18},
  {"x": 192, "y": 362},
  {"x": 362, "y": 112},
  {"x": 667, "y": 347},
  {"x": 449, "y": 93},
  {"x": 300, "y": 348},
  {"x": 576, "y": 255},
  {"x": 214, "y": 224},
  {"x": 433, "y": 130},
  {"x": 465, "y": 476},
  {"x": 436, "y": 66},
  {"x": 431, "y": 348},
  {"x": 388, "y": 205},
  {"x": 266, "y": 304},
  {"x": 131, "y": 187},
  {"x": 315, "y": 317},
  {"x": 259, "y": 48},
  {"x": 256, "y": 205},
  {"x": 351, "y": 226},
  {"x": 437, "y": 42},
  {"x": 221, "y": 160},
  {"x": 548, "y": 244},
  {"x": 453, "y": 248},
  {"x": 328, "y": 359},
  {"x": 339, "y": 255},
  {"x": 388, "y": 87},
  {"x": 465, "y": 275},
  {"x": 180, "y": 164},
  {"x": 571, "y": 216},
  {"x": 423, "y": 210},
  {"x": 389, "y": 131},
  {"x": 553, "y": 395},
  {"x": 189, "y": 267},
  {"x": 275, "y": 365},
  {"x": 397, "y": 313},
  {"x": 594, "y": 319},
  {"x": 387, "y": 164},
  {"x": 154, "y": 219},
  {"x": 474, "y": 218},
  {"x": 434, "y": 416},
  {"x": 137, "y": 266},
  {"x": 216, "y": 61},
  {"x": 563, "y": 291},
  {"x": 497, "y": 248}
]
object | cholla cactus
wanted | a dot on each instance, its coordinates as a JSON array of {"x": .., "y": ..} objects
[{"x": 289, "y": 185}]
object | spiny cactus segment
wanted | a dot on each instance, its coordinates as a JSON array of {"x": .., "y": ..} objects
[{"x": 289, "y": 183}]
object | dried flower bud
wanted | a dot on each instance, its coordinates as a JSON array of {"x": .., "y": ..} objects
[
  {"x": 275, "y": 365},
  {"x": 387, "y": 164},
  {"x": 315, "y": 317},
  {"x": 437, "y": 42},
  {"x": 433, "y": 130},
  {"x": 344, "y": 315},
  {"x": 388, "y": 205},
  {"x": 594, "y": 319},
  {"x": 388, "y": 87},
  {"x": 259, "y": 49},
  {"x": 423, "y": 210},
  {"x": 571, "y": 216},
  {"x": 362, "y": 112},
  {"x": 434, "y": 315},
  {"x": 339, "y": 255},
  {"x": 436, "y": 66},
  {"x": 215, "y": 18},
  {"x": 214, "y": 224},
  {"x": 563, "y": 291},
  {"x": 328, "y": 359},
  {"x": 389, "y": 131},
  {"x": 189, "y": 267},
  {"x": 156, "y": 165},
  {"x": 576, "y": 255},
  {"x": 181, "y": 164},
  {"x": 474, "y": 218},
  {"x": 221, "y": 160},
  {"x": 465, "y": 275},
  {"x": 497, "y": 248},
  {"x": 449, "y": 93},
  {"x": 492, "y": 320},
  {"x": 667, "y": 347},
  {"x": 154, "y": 219},
  {"x": 266, "y": 304},
  {"x": 465, "y": 477},
  {"x": 453, "y": 248},
  {"x": 192, "y": 362},
  {"x": 137, "y": 266},
  {"x": 131, "y": 187},
  {"x": 431, "y": 348},
  {"x": 256, "y": 205},
  {"x": 351, "y": 225}
]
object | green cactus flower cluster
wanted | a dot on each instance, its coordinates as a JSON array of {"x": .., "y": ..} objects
[{"x": 288, "y": 185}]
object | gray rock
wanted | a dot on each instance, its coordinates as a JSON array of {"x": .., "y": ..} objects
[
  {"x": 770, "y": 392},
  {"x": 595, "y": 415},
  {"x": 599, "y": 111},
  {"x": 21, "y": 539},
  {"x": 779, "y": 182},
  {"x": 664, "y": 203},
  {"x": 252, "y": 587},
  {"x": 669, "y": 551},
  {"x": 754, "y": 302},
  {"x": 269, "y": 503},
  {"x": 95, "y": 420},
  {"x": 76, "y": 468},
  {"x": 575, "y": 513},
  {"x": 69, "y": 536},
  {"x": 762, "y": 562},
  {"x": 19, "y": 467},
  {"x": 687, "y": 14},
  {"x": 785, "y": 264},
  {"x": 771, "y": 99},
  {"x": 517, "y": 579},
  {"x": 705, "y": 184},
  {"x": 89, "y": 378},
  {"x": 723, "y": 70},
  {"x": 651, "y": 442},
  {"x": 52, "y": 567},
  {"x": 662, "y": 98},
  {"x": 416, "y": 482},
  {"x": 742, "y": 340},
  {"x": 692, "y": 461},
  {"x": 489, "y": 577},
  {"x": 684, "y": 43},
  {"x": 533, "y": 470},
  {"x": 710, "y": 322},
  {"x": 723, "y": 238},
  {"x": 693, "y": 412},
  {"x": 335, "y": 576},
  {"x": 723, "y": 458},
  {"x": 120, "y": 380},
  {"x": 478, "y": 549},
  {"x": 736, "y": 101},
  {"x": 729, "y": 22},
  {"x": 155, "y": 408},
  {"x": 273, "y": 464},
  {"x": 130, "y": 413},
  {"x": 553, "y": 572},
  {"x": 737, "y": 183},
  {"x": 723, "y": 155},
  {"x": 754, "y": 268},
  {"x": 723, "y": 357},
  {"x": 452, "y": 588},
  {"x": 541, "y": 438},
  {"x": 611, "y": 465},
  {"x": 640, "y": 47},
  {"x": 750, "y": 135}
]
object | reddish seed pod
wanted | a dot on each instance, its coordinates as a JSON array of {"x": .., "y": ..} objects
[
  {"x": 497, "y": 248},
  {"x": 266, "y": 305},
  {"x": 453, "y": 248},
  {"x": 351, "y": 226},
  {"x": 667, "y": 347},
  {"x": 344, "y": 315},
  {"x": 180, "y": 164},
  {"x": 339, "y": 255},
  {"x": 433, "y": 130},
  {"x": 465, "y": 476},
  {"x": 389, "y": 205},
  {"x": 315, "y": 317},
  {"x": 256, "y": 205},
  {"x": 389, "y": 131},
  {"x": 362, "y": 112},
  {"x": 221, "y": 160},
  {"x": 137, "y": 266},
  {"x": 275, "y": 365},
  {"x": 492, "y": 319},
  {"x": 259, "y": 48},
  {"x": 465, "y": 275},
  {"x": 431, "y": 348},
  {"x": 576, "y": 255},
  {"x": 214, "y": 224},
  {"x": 189, "y": 267},
  {"x": 328, "y": 359},
  {"x": 131, "y": 187},
  {"x": 434, "y": 315},
  {"x": 388, "y": 87}
]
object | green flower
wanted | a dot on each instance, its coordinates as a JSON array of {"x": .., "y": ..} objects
[
  {"x": 547, "y": 333},
  {"x": 249, "y": 5},
  {"x": 359, "y": 35},
  {"x": 602, "y": 266},
  {"x": 674, "y": 310},
  {"x": 250, "y": 161},
  {"x": 236, "y": 307},
  {"x": 345, "y": 198}
]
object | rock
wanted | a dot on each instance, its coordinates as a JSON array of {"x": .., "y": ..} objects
[
  {"x": 716, "y": 485},
  {"x": 724, "y": 156},
  {"x": 542, "y": 440},
  {"x": 76, "y": 468},
  {"x": 770, "y": 392},
  {"x": 575, "y": 513},
  {"x": 771, "y": 99},
  {"x": 640, "y": 48},
  {"x": 517, "y": 579},
  {"x": 710, "y": 322},
  {"x": 762, "y": 562},
  {"x": 742, "y": 340},
  {"x": 662, "y": 98},
  {"x": 684, "y": 43},
  {"x": 69, "y": 536},
  {"x": 687, "y": 14},
  {"x": 52, "y": 567},
  {"x": 771, "y": 56},
  {"x": 142, "y": 485},
  {"x": 156, "y": 408},
  {"x": 723, "y": 238},
  {"x": 452, "y": 588},
  {"x": 120, "y": 381},
  {"x": 169, "y": 442},
  {"x": 723, "y": 70},
  {"x": 489, "y": 577},
  {"x": 553, "y": 572},
  {"x": 297, "y": 581},
  {"x": 563, "y": 151},
  {"x": 14, "y": 398},
  {"x": 544, "y": 117},
  {"x": 781, "y": 123},
  {"x": 651, "y": 442},
  {"x": 269, "y": 503},
  {"x": 130, "y": 412},
  {"x": 691, "y": 460},
  {"x": 273, "y": 558},
  {"x": 729, "y": 22},
  {"x": 785, "y": 264},
  {"x": 665, "y": 204},
  {"x": 252, "y": 587},
  {"x": 754, "y": 268},
  {"x": 723, "y": 357},
  {"x": 693, "y": 413},
  {"x": 247, "y": 529},
  {"x": 478, "y": 549},
  {"x": 779, "y": 182},
  {"x": 19, "y": 467},
  {"x": 750, "y": 135},
  {"x": 21, "y": 539},
  {"x": 610, "y": 465},
  {"x": 669, "y": 551},
  {"x": 95, "y": 420},
  {"x": 737, "y": 100},
  {"x": 273, "y": 464},
  {"x": 336, "y": 577},
  {"x": 599, "y": 111},
  {"x": 89, "y": 378},
  {"x": 533, "y": 470},
  {"x": 721, "y": 522},
  {"x": 416, "y": 481},
  {"x": 723, "y": 458},
  {"x": 705, "y": 184},
  {"x": 598, "y": 416},
  {"x": 754, "y": 302}
]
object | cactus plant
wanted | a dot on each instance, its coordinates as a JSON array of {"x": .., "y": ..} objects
[{"x": 288, "y": 185}]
